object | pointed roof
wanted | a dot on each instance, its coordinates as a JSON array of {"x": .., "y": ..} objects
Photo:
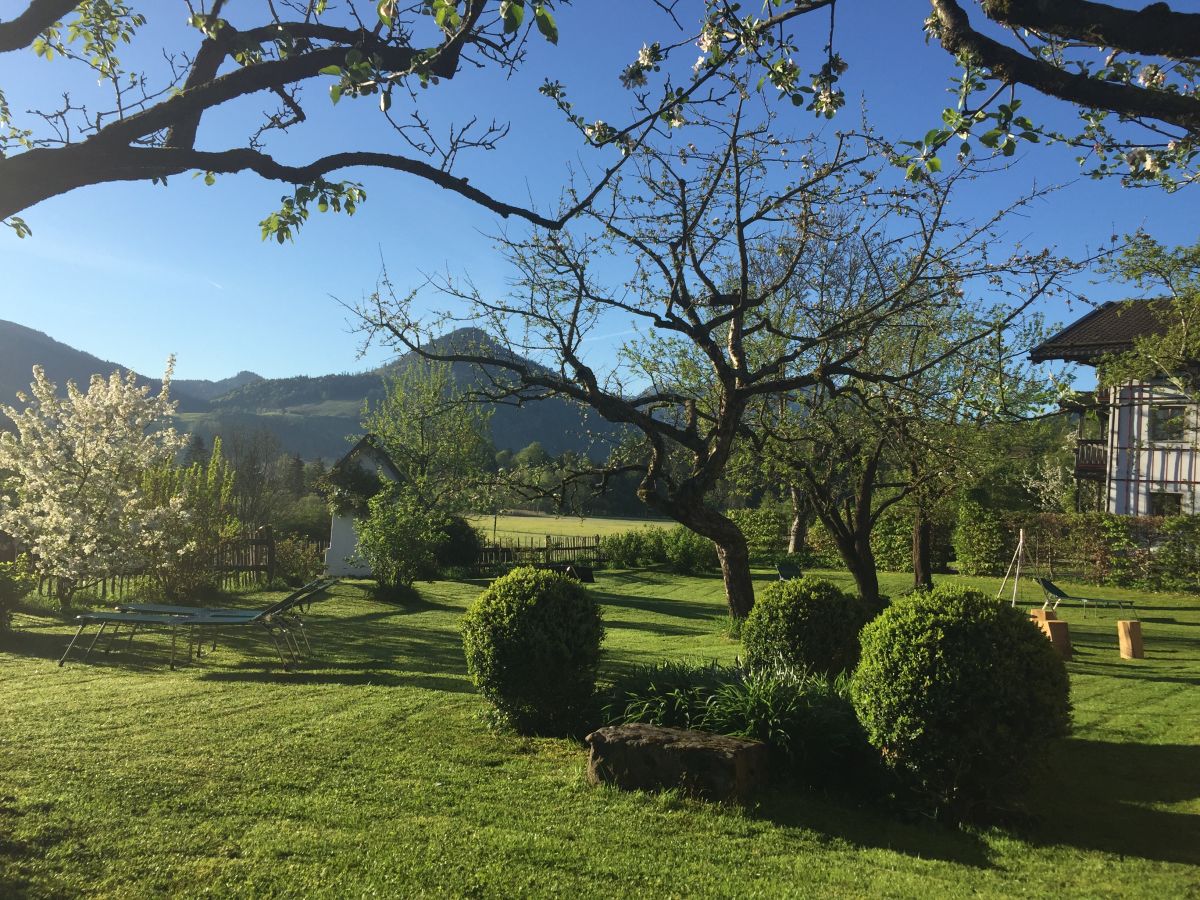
[
  {"x": 370, "y": 445},
  {"x": 1109, "y": 328}
]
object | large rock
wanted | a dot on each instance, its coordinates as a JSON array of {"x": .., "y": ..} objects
[{"x": 649, "y": 757}]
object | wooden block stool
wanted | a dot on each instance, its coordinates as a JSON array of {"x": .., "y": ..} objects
[
  {"x": 1042, "y": 615},
  {"x": 1059, "y": 635},
  {"x": 1129, "y": 633}
]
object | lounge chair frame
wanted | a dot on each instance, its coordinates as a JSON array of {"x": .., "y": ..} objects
[
  {"x": 1054, "y": 595},
  {"x": 277, "y": 621}
]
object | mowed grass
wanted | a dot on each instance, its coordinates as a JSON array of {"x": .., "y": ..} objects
[
  {"x": 532, "y": 525},
  {"x": 372, "y": 772}
]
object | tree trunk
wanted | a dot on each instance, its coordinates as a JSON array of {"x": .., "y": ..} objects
[
  {"x": 64, "y": 590},
  {"x": 922, "y": 537},
  {"x": 856, "y": 554},
  {"x": 732, "y": 552},
  {"x": 798, "y": 533},
  {"x": 735, "y": 569}
]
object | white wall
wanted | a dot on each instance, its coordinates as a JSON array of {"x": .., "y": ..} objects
[
  {"x": 342, "y": 559},
  {"x": 1136, "y": 466}
]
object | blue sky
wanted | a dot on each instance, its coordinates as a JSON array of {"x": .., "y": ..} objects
[{"x": 132, "y": 272}]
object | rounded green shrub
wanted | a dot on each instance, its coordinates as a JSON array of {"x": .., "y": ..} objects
[
  {"x": 961, "y": 694},
  {"x": 629, "y": 549},
  {"x": 459, "y": 545},
  {"x": 532, "y": 642},
  {"x": 399, "y": 538},
  {"x": 806, "y": 622}
]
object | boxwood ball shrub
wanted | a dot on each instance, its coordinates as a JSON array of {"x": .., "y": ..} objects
[
  {"x": 806, "y": 622},
  {"x": 532, "y": 642},
  {"x": 961, "y": 695}
]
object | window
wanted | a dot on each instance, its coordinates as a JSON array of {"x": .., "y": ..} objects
[
  {"x": 1163, "y": 503},
  {"x": 1166, "y": 423}
]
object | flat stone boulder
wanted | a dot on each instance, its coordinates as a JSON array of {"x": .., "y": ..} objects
[{"x": 653, "y": 758}]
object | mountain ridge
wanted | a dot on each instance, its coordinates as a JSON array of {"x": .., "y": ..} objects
[{"x": 310, "y": 415}]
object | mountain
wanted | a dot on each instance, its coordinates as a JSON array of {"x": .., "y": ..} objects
[
  {"x": 210, "y": 390},
  {"x": 22, "y": 348},
  {"x": 310, "y": 416}
]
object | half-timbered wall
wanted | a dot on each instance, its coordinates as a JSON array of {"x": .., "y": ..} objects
[{"x": 1140, "y": 466}]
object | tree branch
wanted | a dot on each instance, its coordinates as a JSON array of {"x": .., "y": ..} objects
[
  {"x": 1155, "y": 29},
  {"x": 958, "y": 37},
  {"x": 18, "y": 33}
]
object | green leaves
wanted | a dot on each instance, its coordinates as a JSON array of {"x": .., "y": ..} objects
[
  {"x": 17, "y": 224},
  {"x": 545, "y": 23},
  {"x": 446, "y": 14},
  {"x": 341, "y": 196},
  {"x": 513, "y": 14}
]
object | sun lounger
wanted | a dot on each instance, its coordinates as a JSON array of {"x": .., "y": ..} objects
[
  {"x": 1055, "y": 595},
  {"x": 132, "y": 621},
  {"x": 276, "y": 619},
  {"x": 280, "y": 608},
  {"x": 300, "y": 596},
  {"x": 787, "y": 571}
]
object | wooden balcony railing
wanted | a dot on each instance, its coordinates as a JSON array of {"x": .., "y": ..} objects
[{"x": 1091, "y": 458}]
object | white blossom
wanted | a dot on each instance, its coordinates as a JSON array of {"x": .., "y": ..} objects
[{"x": 73, "y": 496}]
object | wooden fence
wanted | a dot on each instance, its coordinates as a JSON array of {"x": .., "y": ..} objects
[
  {"x": 240, "y": 564},
  {"x": 507, "y": 553}
]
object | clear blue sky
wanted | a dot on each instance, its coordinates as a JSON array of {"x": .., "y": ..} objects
[{"x": 132, "y": 272}]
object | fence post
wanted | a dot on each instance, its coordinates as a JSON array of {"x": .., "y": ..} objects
[{"x": 266, "y": 534}]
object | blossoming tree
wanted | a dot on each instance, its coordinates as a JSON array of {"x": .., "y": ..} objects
[{"x": 72, "y": 474}]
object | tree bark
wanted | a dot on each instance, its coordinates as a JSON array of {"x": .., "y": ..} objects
[
  {"x": 735, "y": 570},
  {"x": 922, "y": 537},
  {"x": 733, "y": 552},
  {"x": 798, "y": 534},
  {"x": 856, "y": 554}
]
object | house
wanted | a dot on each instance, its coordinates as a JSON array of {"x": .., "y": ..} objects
[
  {"x": 356, "y": 477},
  {"x": 1144, "y": 457}
]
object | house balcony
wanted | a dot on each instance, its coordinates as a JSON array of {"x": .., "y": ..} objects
[{"x": 1091, "y": 459}]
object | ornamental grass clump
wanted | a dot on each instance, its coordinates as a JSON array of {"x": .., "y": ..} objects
[
  {"x": 807, "y": 720},
  {"x": 805, "y": 622},
  {"x": 532, "y": 642},
  {"x": 961, "y": 695}
]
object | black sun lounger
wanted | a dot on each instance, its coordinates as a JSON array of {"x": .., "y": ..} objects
[{"x": 1056, "y": 595}]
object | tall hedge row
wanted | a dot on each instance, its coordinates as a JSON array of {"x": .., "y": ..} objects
[{"x": 1100, "y": 548}]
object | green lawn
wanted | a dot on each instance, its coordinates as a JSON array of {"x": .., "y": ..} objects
[
  {"x": 372, "y": 772},
  {"x": 532, "y": 525}
]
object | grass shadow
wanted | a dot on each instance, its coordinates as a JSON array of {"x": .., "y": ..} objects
[
  {"x": 661, "y": 606},
  {"x": 661, "y": 628},
  {"x": 869, "y": 828},
  {"x": 1100, "y": 796}
]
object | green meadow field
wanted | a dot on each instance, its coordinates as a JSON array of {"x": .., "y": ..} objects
[
  {"x": 372, "y": 771},
  {"x": 531, "y": 526}
]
